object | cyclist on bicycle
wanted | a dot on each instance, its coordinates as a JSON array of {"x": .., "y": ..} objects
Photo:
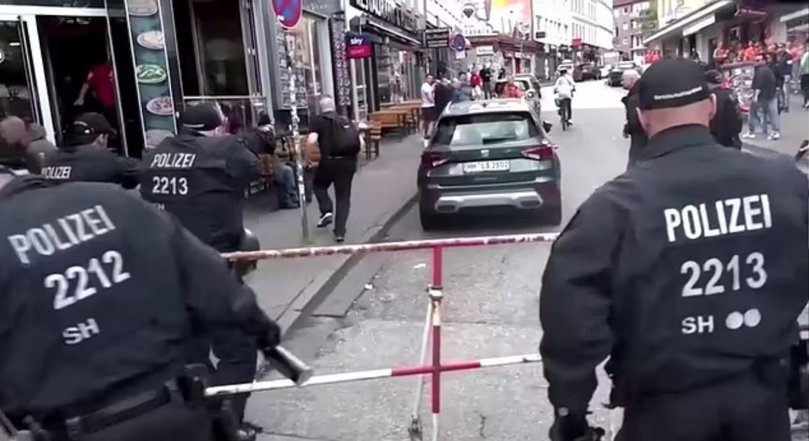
[{"x": 564, "y": 88}]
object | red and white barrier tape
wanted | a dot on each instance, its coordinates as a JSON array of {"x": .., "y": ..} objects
[
  {"x": 348, "y": 377},
  {"x": 288, "y": 253}
]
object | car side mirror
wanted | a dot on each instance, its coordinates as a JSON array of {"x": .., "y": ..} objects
[{"x": 547, "y": 126}]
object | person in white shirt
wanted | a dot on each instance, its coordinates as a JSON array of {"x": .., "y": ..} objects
[
  {"x": 428, "y": 111},
  {"x": 564, "y": 88}
]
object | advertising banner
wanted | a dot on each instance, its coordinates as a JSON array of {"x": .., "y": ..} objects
[
  {"x": 358, "y": 45},
  {"x": 151, "y": 68},
  {"x": 510, "y": 17},
  {"x": 342, "y": 76}
]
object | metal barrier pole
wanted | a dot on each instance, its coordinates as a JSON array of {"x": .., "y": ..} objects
[
  {"x": 436, "y": 295},
  {"x": 415, "y": 430}
]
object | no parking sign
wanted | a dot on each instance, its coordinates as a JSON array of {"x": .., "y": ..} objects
[{"x": 289, "y": 12}]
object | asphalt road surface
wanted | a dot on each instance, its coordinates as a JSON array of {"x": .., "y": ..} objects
[{"x": 491, "y": 309}]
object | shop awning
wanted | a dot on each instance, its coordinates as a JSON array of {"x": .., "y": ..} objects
[
  {"x": 689, "y": 21},
  {"x": 797, "y": 14},
  {"x": 389, "y": 29}
]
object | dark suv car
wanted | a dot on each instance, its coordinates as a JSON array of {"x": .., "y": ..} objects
[{"x": 488, "y": 155}]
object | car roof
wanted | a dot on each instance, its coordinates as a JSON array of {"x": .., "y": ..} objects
[{"x": 486, "y": 106}]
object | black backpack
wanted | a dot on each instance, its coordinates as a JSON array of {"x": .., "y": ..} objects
[{"x": 346, "y": 137}]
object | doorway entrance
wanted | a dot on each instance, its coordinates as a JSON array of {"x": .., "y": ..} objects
[
  {"x": 47, "y": 56},
  {"x": 78, "y": 64}
]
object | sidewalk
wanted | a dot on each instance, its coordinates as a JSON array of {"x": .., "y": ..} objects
[
  {"x": 794, "y": 129},
  {"x": 381, "y": 190}
]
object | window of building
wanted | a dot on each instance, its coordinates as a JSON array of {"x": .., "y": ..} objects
[
  {"x": 307, "y": 55},
  {"x": 625, "y": 26},
  {"x": 616, "y": 13}
]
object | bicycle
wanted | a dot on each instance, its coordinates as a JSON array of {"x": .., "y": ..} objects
[{"x": 563, "y": 104}]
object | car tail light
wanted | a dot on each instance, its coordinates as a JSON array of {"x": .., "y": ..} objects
[
  {"x": 540, "y": 153},
  {"x": 433, "y": 159}
]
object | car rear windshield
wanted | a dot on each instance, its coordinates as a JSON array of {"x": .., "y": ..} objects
[
  {"x": 485, "y": 129},
  {"x": 522, "y": 84}
]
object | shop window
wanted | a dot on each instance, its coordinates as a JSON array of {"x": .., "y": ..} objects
[
  {"x": 221, "y": 66},
  {"x": 307, "y": 56}
]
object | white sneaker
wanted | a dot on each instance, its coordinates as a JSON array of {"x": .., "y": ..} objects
[
  {"x": 774, "y": 136},
  {"x": 326, "y": 219},
  {"x": 749, "y": 135},
  {"x": 570, "y": 122},
  {"x": 806, "y": 106}
]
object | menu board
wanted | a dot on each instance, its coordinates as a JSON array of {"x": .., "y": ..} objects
[
  {"x": 288, "y": 39},
  {"x": 151, "y": 71},
  {"x": 342, "y": 77}
]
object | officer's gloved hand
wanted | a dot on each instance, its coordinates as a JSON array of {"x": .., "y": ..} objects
[
  {"x": 569, "y": 426},
  {"x": 271, "y": 338}
]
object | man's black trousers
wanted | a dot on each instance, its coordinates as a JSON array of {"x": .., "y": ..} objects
[
  {"x": 340, "y": 172},
  {"x": 742, "y": 409}
]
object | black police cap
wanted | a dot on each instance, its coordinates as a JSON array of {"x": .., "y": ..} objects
[
  {"x": 672, "y": 83},
  {"x": 202, "y": 117},
  {"x": 91, "y": 123}
]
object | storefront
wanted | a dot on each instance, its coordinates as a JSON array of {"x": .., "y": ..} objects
[
  {"x": 317, "y": 50},
  {"x": 127, "y": 61},
  {"x": 517, "y": 56},
  {"x": 47, "y": 52},
  {"x": 394, "y": 73}
]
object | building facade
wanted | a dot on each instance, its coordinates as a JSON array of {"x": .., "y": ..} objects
[
  {"x": 698, "y": 31},
  {"x": 591, "y": 29},
  {"x": 552, "y": 28},
  {"x": 500, "y": 34},
  {"x": 631, "y": 18}
]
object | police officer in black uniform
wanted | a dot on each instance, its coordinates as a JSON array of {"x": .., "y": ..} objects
[
  {"x": 689, "y": 271},
  {"x": 86, "y": 157},
  {"x": 100, "y": 295},
  {"x": 201, "y": 177},
  {"x": 727, "y": 122}
]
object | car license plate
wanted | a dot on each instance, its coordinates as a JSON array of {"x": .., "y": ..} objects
[{"x": 486, "y": 166}]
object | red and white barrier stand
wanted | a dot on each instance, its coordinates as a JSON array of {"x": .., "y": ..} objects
[{"x": 431, "y": 336}]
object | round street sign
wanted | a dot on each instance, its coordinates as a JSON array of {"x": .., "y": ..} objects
[
  {"x": 458, "y": 42},
  {"x": 289, "y": 12}
]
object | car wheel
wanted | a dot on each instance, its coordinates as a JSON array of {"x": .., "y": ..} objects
[{"x": 430, "y": 221}]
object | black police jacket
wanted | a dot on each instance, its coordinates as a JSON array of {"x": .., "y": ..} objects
[
  {"x": 90, "y": 164},
  {"x": 727, "y": 122},
  {"x": 202, "y": 181},
  {"x": 99, "y": 293},
  {"x": 685, "y": 270}
]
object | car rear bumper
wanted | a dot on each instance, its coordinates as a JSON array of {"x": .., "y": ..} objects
[{"x": 539, "y": 194}]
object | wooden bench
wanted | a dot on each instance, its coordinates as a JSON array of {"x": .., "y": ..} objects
[{"x": 393, "y": 120}]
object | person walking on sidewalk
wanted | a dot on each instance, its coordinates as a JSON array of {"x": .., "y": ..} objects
[
  {"x": 428, "y": 113},
  {"x": 764, "y": 101},
  {"x": 339, "y": 142},
  {"x": 804, "y": 72}
]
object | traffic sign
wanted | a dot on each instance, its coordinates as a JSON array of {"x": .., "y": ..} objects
[
  {"x": 458, "y": 42},
  {"x": 289, "y": 12}
]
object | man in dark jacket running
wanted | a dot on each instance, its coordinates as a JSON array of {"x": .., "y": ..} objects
[{"x": 632, "y": 128}]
